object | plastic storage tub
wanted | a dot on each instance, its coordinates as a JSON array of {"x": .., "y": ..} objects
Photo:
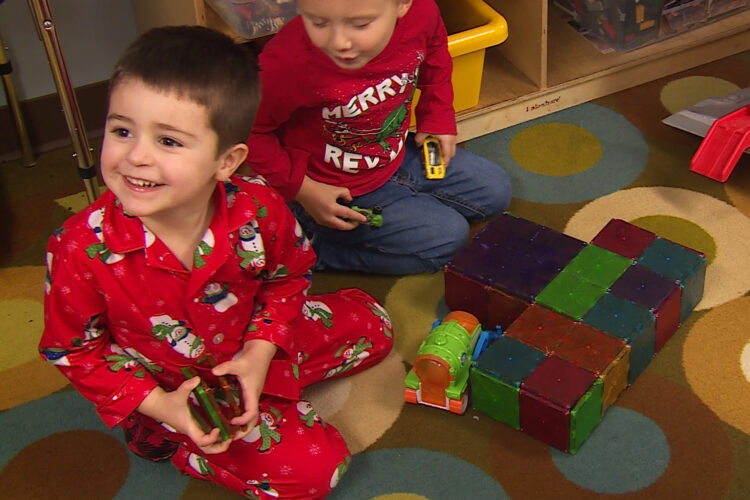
[
  {"x": 254, "y": 18},
  {"x": 629, "y": 24},
  {"x": 473, "y": 26}
]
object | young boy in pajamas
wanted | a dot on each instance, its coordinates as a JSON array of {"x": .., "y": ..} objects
[{"x": 181, "y": 262}]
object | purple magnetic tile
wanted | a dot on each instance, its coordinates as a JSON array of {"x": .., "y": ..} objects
[
  {"x": 508, "y": 231},
  {"x": 567, "y": 246},
  {"x": 643, "y": 286}
]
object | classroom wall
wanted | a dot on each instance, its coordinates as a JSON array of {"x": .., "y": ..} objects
[{"x": 92, "y": 34}]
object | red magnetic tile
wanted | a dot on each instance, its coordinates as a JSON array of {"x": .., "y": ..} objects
[
  {"x": 667, "y": 319},
  {"x": 559, "y": 381},
  {"x": 544, "y": 420},
  {"x": 624, "y": 238},
  {"x": 542, "y": 328},
  {"x": 465, "y": 294},
  {"x": 503, "y": 309},
  {"x": 590, "y": 348}
]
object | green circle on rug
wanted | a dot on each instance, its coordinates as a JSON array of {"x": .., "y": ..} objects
[
  {"x": 556, "y": 149},
  {"x": 683, "y": 93},
  {"x": 680, "y": 231},
  {"x": 18, "y": 316}
]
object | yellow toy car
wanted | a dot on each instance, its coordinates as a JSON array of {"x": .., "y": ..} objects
[{"x": 434, "y": 163}]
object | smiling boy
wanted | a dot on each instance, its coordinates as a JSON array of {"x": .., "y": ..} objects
[{"x": 181, "y": 262}]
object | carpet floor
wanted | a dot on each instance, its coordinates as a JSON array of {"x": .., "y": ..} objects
[{"x": 682, "y": 430}]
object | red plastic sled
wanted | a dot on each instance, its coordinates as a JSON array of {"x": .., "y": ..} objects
[{"x": 726, "y": 140}]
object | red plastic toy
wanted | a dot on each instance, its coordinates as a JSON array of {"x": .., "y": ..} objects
[{"x": 723, "y": 145}]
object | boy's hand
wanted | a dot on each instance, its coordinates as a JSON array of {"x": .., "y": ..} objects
[
  {"x": 250, "y": 367},
  {"x": 447, "y": 144},
  {"x": 172, "y": 409},
  {"x": 320, "y": 200}
]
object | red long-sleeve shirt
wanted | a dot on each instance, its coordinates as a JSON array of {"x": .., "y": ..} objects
[
  {"x": 348, "y": 127},
  {"x": 122, "y": 314}
]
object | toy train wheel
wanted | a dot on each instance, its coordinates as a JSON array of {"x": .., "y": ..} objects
[
  {"x": 410, "y": 395},
  {"x": 459, "y": 406}
]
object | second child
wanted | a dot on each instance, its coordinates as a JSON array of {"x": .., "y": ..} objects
[{"x": 338, "y": 83}]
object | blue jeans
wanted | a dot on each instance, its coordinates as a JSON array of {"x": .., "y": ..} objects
[{"x": 425, "y": 221}]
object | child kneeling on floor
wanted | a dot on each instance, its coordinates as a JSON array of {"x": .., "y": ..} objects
[{"x": 181, "y": 264}]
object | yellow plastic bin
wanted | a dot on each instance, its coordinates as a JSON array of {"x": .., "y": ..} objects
[{"x": 472, "y": 27}]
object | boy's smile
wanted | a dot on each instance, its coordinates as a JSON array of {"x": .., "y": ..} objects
[
  {"x": 159, "y": 153},
  {"x": 351, "y": 33}
]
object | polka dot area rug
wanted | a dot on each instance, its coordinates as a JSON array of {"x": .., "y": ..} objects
[{"x": 681, "y": 430}]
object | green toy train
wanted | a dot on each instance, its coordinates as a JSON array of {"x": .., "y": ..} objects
[{"x": 439, "y": 376}]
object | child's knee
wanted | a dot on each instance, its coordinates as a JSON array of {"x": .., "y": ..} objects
[{"x": 379, "y": 321}]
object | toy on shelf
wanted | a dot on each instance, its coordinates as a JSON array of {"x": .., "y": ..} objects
[
  {"x": 721, "y": 149},
  {"x": 434, "y": 162},
  {"x": 580, "y": 321},
  {"x": 440, "y": 374},
  {"x": 210, "y": 413}
]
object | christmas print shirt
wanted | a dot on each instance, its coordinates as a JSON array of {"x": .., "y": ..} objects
[
  {"x": 123, "y": 315},
  {"x": 348, "y": 127}
]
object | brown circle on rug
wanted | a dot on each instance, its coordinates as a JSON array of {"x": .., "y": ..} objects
[{"x": 74, "y": 465}]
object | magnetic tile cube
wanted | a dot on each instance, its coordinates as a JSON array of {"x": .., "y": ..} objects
[
  {"x": 660, "y": 295},
  {"x": 593, "y": 315},
  {"x": 685, "y": 266},
  {"x": 631, "y": 322},
  {"x": 623, "y": 238},
  {"x": 496, "y": 377},
  {"x": 560, "y": 404}
]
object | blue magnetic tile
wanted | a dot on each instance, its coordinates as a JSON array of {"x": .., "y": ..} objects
[
  {"x": 683, "y": 265},
  {"x": 630, "y": 322},
  {"x": 509, "y": 360}
]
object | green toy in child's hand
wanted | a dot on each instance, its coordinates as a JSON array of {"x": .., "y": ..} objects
[{"x": 208, "y": 403}]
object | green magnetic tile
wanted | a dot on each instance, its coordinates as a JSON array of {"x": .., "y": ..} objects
[
  {"x": 569, "y": 295},
  {"x": 585, "y": 416},
  {"x": 495, "y": 398},
  {"x": 598, "y": 265}
]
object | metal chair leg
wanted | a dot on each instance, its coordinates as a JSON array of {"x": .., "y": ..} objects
[
  {"x": 47, "y": 32},
  {"x": 27, "y": 154}
]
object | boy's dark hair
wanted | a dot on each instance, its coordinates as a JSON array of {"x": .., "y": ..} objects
[{"x": 202, "y": 65}]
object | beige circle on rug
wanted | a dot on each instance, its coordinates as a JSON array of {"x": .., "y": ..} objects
[
  {"x": 412, "y": 304},
  {"x": 684, "y": 92},
  {"x": 21, "y": 325},
  {"x": 737, "y": 186},
  {"x": 364, "y": 406},
  {"x": 727, "y": 277},
  {"x": 25, "y": 376},
  {"x": 745, "y": 361},
  {"x": 715, "y": 359}
]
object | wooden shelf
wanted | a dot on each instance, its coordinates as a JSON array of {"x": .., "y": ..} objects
[
  {"x": 576, "y": 72},
  {"x": 543, "y": 67}
]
